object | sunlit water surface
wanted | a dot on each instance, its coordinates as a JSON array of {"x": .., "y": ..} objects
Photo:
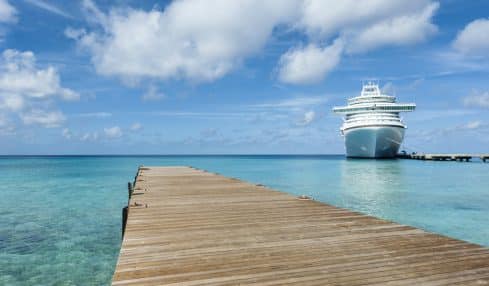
[{"x": 60, "y": 217}]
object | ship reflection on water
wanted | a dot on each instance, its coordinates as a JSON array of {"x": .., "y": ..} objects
[{"x": 378, "y": 185}]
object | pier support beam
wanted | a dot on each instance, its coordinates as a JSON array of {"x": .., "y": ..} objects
[
  {"x": 125, "y": 212},
  {"x": 130, "y": 189}
]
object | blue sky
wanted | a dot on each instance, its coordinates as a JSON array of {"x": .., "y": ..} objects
[{"x": 236, "y": 77}]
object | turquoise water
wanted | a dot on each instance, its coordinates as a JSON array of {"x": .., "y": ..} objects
[{"x": 60, "y": 217}]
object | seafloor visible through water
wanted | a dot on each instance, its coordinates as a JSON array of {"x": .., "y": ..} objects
[{"x": 60, "y": 217}]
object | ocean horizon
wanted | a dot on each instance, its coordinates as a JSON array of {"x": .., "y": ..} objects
[{"x": 61, "y": 215}]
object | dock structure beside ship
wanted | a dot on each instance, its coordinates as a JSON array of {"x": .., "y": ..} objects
[
  {"x": 444, "y": 157},
  {"x": 185, "y": 226}
]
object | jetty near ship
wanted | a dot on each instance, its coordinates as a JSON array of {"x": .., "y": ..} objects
[{"x": 372, "y": 127}]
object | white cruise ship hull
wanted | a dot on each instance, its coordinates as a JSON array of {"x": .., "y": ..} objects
[{"x": 373, "y": 141}]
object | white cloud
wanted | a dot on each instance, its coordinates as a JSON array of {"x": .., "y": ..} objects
[
  {"x": 86, "y": 136},
  {"x": 113, "y": 132},
  {"x": 7, "y": 12},
  {"x": 49, "y": 7},
  {"x": 402, "y": 30},
  {"x": 476, "y": 125},
  {"x": 21, "y": 81},
  {"x": 190, "y": 39},
  {"x": 310, "y": 64},
  {"x": 153, "y": 94},
  {"x": 29, "y": 91},
  {"x": 477, "y": 99},
  {"x": 473, "y": 40},
  {"x": 66, "y": 133},
  {"x": 359, "y": 26},
  {"x": 324, "y": 18},
  {"x": 205, "y": 40},
  {"x": 473, "y": 124},
  {"x": 308, "y": 118},
  {"x": 44, "y": 118},
  {"x": 388, "y": 88},
  {"x": 476, "y": 129},
  {"x": 136, "y": 126},
  {"x": 94, "y": 15},
  {"x": 89, "y": 136},
  {"x": 74, "y": 34}
]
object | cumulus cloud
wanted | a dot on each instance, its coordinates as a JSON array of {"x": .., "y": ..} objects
[
  {"x": 113, "y": 132},
  {"x": 7, "y": 12},
  {"x": 8, "y": 15},
  {"x": 402, "y": 30},
  {"x": 193, "y": 40},
  {"x": 21, "y": 81},
  {"x": 473, "y": 39},
  {"x": 359, "y": 26},
  {"x": 324, "y": 18},
  {"x": 310, "y": 64},
  {"x": 477, "y": 99},
  {"x": 28, "y": 90},
  {"x": 202, "y": 41}
]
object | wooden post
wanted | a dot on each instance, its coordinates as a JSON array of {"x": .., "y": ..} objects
[
  {"x": 125, "y": 211},
  {"x": 130, "y": 189}
]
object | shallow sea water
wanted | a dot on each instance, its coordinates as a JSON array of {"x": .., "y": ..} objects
[{"x": 60, "y": 217}]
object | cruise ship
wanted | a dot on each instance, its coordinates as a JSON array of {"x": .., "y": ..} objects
[{"x": 372, "y": 127}]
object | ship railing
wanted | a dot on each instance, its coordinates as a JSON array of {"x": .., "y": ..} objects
[{"x": 390, "y": 108}]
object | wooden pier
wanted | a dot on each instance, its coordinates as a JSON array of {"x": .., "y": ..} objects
[
  {"x": 190, "y": 227},
  {"x": 444, "y": 157}
]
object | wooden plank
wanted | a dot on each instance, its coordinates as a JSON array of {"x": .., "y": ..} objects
[{"x": 190, "y": 227}]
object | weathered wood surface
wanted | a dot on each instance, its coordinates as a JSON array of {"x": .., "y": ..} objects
[{"x": 200, "y": 228}]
